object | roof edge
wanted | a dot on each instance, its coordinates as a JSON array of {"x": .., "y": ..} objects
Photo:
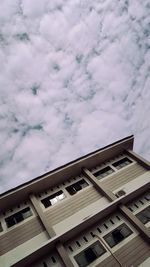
[{"x": 131, "y": 137}]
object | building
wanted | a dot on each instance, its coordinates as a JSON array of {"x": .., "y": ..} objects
[{"x": 94, "y": 211}]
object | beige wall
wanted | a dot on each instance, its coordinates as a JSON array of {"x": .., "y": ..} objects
[
  {"x": 70, "y": 206},
  {"x": 17, "y": 253},
  {"x": 48, "y": 260},
  {"x": 105, "y": 226},
  {"x": 20, "y": 234},
  {"x": 123, "y": 176},
  {"x": 132, "y": 254}
]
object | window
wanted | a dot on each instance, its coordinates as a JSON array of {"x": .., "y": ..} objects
[
  {"x": 90, "y": 254},
  {"x": 1, "y": 229},
  {"x": 117, "y": 235},
  {"x": 18, "y": 217},
  {"x": 122, "y": 163},
  {"x": 53, "y": 199},
  {"x": 103, "y": 172},
  {"x": 74, "y": 188},
  {"x": 45, "y": 264},
  {"x": 147, "y": 198},
  {"x": 144, "y": 215},
  {"x": 53, "y": 259},
  {"x": 120, "y": 193}
]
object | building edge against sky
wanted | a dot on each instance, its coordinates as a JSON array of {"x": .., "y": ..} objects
[{"x": 94, "y": 211}]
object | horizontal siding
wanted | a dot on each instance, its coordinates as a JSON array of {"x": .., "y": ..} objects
[
  {"x": 69, "y": 206},
  {"x": 20, "y": 234},
  {"x": 123, "y": 176},
  {"x": 109, "y": 262},
  {"x": 41, "y": 264},
  {"x": 133, "y": 253}
]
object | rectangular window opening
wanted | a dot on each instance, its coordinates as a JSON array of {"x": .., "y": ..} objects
[
  {"x": 53, "y": 199},
  {"x": 122, "y": 163},
  {"x": 70, "y": 248},
  {"x": 103, "y": 172},
  {"x": 90, "y": 254},
  {"x": 18, "y": 217},
  {"x": 53, "y": 259},
  {"x": 130, "y": 209},
  {"x": 26, "y": 213},
  {"x": 92, "y": 234},
  {"x": 78, "y": 244},
  {"x": 45, "y": 264},
  {"x": 118, "y": 217},
  {"x": 118, "y": 235},
  {"x": 112, "y": 221},
  {"x": 144, "y": 215},
  {"x": 1, "y": 229},
  {"x": 105, "y": 225},
  {"x": 99, "y": 230},
  {"x": 74, "y": 188},
  {"x": 85, "y": 239}
]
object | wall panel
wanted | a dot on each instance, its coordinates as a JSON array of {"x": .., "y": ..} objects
[
  {"x": 133, "y": 253},
  {"x": 20, "y": 234},
  {"x": 70, "y": 206},
  {"x": 123, "y": 176}
]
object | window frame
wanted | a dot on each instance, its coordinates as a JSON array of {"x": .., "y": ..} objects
[
  {"x": 140, "y": 212},
  {"x": 15, "y": 218},
  {"x": 75, "y": 183},
  {"x": 50, "y": 196},
  {"x": 115, "y": 229},
  {"x": 1, "y": 228},
  {"x": 114, "y": 163},
  {"x": 97, "y": 242},
  {"x": 99, "y": 170}
]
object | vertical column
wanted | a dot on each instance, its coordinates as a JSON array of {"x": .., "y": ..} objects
[
  {"x": 101, "y": 188},
  {"x": 64, "y": 255},
  {"x": 145, "y": 232},
  {"x": 42, "y": 217},
  {"x": 139, "y": 159}
]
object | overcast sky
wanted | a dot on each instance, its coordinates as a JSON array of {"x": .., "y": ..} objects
[{"x": 74, "y": 77}]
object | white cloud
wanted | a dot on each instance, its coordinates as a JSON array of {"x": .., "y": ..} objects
[
  {"x": 32, "y": 8},
  {"x": 74, "y": 76}
]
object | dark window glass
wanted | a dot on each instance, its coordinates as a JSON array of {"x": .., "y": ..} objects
[
  {"x": 18, "y": 217},
  {"x": 117, "y": 235},
  {"x": 1, "y": 229},
  {"x": 90, "y": 254},
  {"x": 26, "y": 213},
  {"x": 122, "y": 163},
  {"x": 46, "y": 202},
  {"x": 147, "y": 198},
  {"x": 74, "y": 188},
  {"x": 10, "y": 221},
  {"x": 71, "y": 249},
  {"x": 144, "y": 215},
  {"x": 85, "y": 239},
  {"x": 103, "y": 172},
  {"x": 45, "y": 264},
  {"x": 53, "y": 259},
  {"x": 53, "y": 199}
]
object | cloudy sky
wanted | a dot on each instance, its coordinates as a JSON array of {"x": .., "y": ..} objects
[{"x": 74, "y": 77}]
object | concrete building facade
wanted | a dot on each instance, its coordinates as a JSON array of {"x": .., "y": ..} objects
[{"x": 94, "y": 211}]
